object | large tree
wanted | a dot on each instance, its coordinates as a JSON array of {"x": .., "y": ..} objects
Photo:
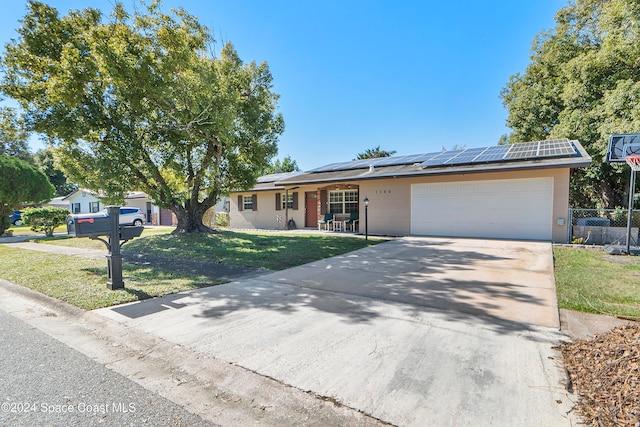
[
  {"x": 21, "y": 184},
  {"x": 13, "y": 136},
  {"x": 139, "y": 101},
  {"x": 583, "y": 82},
  {"x": 45, "y": 160}
]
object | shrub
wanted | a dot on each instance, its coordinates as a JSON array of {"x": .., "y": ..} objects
[
  {"x": 222, "y": 219},
  {"x": 44, "y": 219}
]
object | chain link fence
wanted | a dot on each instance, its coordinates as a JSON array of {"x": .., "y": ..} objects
[{"x": 602, "y": 226}]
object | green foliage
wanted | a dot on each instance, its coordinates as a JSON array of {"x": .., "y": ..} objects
[
  {"x": 21, "y": 184},
  {"x": 13, "y": 136},
  {"x": 45, "y": 161},
  {"x": 222, "y": 220},
  {"x": 44, "y": 219},
  {"x": 578, "y": 241},
  {"x": 373, "y": 153},
  {"x": 285, "y": 165},
  {"x": 138, "y": 101},
  {"x": 583, "y": 82}
]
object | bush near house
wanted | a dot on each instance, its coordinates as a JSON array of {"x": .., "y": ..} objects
[{"x": 44, "y": 219}]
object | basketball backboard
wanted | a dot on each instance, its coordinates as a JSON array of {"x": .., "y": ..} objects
[{"x": 622, "y": 145}]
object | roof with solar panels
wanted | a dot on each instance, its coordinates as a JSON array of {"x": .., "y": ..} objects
[{"x": 525, "y": 155}]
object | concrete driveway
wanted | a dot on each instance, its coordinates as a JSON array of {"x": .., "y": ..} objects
[{"x": 414, "y": 332}]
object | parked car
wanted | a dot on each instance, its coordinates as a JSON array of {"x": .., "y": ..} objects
[
  {"x": 132, "y": 216},
  {"x": 16, "y": 218},
  {"x": 128, "y": 216}
]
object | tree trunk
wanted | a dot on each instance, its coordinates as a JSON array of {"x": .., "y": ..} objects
[{"x": 190, "y": 220}]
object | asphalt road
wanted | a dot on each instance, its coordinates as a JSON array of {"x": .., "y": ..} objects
[{"x": 44, "y": 382}]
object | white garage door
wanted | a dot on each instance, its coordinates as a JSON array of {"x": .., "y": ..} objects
[{"x": 504, "y": 209}]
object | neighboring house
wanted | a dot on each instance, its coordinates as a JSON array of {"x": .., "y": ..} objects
[
  {"x": 517, "y": 191},
  {"x": 83, "y": 201},
  {"x": 57, "y": 202},
  {"x": 138, "y": 199},
  {"x": 87, "y": 201}
]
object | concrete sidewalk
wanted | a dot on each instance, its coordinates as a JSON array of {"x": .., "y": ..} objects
[{"x": 412, "y": 332}]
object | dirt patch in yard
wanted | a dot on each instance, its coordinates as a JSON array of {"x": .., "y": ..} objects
[{"x": 605, "y": 373}]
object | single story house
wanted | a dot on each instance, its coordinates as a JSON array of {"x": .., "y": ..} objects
[
  {"x": 87, "y": 201},
  {"x": 83, "y": 201},
  {"x": 516, "y": 191}
]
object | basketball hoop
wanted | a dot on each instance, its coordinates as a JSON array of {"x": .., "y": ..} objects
[{"x": 633, "y": 160}]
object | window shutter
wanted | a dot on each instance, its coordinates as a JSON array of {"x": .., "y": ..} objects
[
  {"x": 278, "y": 204},
  {"x": 323, "y": 202},
  {"x": 295, "y": 201},
  {"x": 240, "y": 204},
  {"x": 254, "y": 202}
]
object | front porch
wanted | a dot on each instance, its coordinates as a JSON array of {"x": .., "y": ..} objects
[{"x": 333, "y": 207}]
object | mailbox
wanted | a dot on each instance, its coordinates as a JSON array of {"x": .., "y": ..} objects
[
  {"x": 105, "y": 223},
  {"x": 89, "y": 225},
  {"x": 128, "y": 232}
]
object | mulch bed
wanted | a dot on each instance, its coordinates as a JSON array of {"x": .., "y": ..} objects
[{"x": 605, "y": 373}]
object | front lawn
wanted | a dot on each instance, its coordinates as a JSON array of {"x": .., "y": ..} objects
[
  {"x": 270, "y": 250},
  {"x": 82, "y": 281},
  {"x": 592, "y": 281}
]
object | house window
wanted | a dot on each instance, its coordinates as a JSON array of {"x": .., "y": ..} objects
[
  {"x": 75, "y": 208},
  {"x": 287, "y": 201},
  {"x": 94, "y": 206},
  {"x": 341, "y": 202},
  {"x": 247, "y": 203}
]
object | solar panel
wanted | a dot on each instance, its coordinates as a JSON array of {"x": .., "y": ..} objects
[
  {"x": 466, "y": 156},
  {"x": 441, "y": 158},
  {"x": 496, "y": 153},
  {"x": 491, "y": 154},
  {"x": 540, "y": 149}
]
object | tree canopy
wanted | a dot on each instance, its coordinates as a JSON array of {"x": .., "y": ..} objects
[
  {"x": 373, "y": 153},
  {"x": 21, "y": 184},
  {"x": 285, "y": 165},
  {"x": 45, "y": 160},
  {"x": 583, "y": 82},
  {"x": 139, "y": 101},
  {"x": 13, "y": 136}
]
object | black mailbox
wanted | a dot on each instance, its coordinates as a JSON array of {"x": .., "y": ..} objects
[
  {"x": 128, "y": 232},
  {"x": 89, "y": 225},
  {"x": 105, "y": 223}
]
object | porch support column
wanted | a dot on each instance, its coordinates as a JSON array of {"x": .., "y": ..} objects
[{"x": 286, "y": 208}]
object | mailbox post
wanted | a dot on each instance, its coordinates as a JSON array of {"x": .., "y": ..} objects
[
  {"x": 95, "y": 226},
  {"x": 114, "y": 259}
]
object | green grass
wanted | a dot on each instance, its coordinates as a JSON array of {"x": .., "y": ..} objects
[
  {"x": 25, "y": 230},
  {"x": 87, "y": 243},
  {"x": 82, "y": 281},
  {"x": 594, "y": 282},
  {"x": 273, "y": 251}
]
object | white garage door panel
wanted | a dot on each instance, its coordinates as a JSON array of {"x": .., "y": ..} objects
[{"x": 513, "y": 209}]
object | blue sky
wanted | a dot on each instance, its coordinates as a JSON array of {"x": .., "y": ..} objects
[{"x": 410, "y": 76}]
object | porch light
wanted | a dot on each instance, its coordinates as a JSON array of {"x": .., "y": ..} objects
[{"x": 366, "y": 218}]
